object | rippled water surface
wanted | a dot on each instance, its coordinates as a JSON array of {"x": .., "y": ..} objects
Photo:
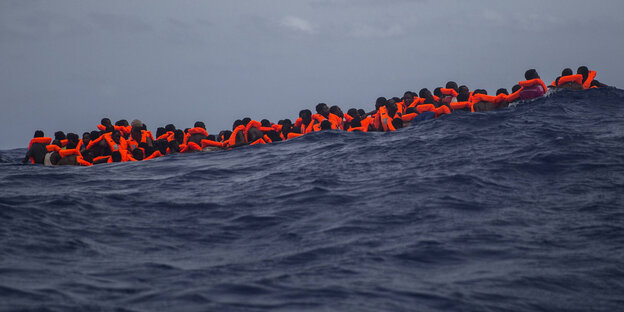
[{"x": 519, "y": 209}]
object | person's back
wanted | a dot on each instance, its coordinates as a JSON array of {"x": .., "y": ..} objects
[
  {"x": 533, "y": 87},
  {"x": 37, "y": 148}
]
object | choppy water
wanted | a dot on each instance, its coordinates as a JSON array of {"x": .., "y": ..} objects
[{"x": 519, "y": 209}]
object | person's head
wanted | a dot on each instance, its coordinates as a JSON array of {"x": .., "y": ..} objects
[
  {"x": 567, "y": 72},
  {"x": 362, "y": 113},
  {"x": 322, "y": 108},
  {"x": 178, "y": 135},
  {"x": 135, "y": 133},
  {"x": 116, "y": 136},
  {"x": 265, "y": 123},
  {"x": 480, "y": 91},
  {"x": 516, "y": 88},
  {"x": 94, "y": 135},
  {"x": 224, "y": 135},
  {"x": 211, "y": 137},
  {"x": 424, "y": 93},
  {"x": 137, "y": 154},
  {"x": 174, "y": 146},
  {"x": 381, "y": 101},
  {"x": 86, "y": 138},
  {"x": 502, "y": 90},
  {"x": 306, "y": 116},
  {"x": 463, "y": 97},
  {"x": 437, "y": 92},
  {"x": 236, "y": 123},
  {"x": 408, "y": 97},
  {"x": 583, "y": 70},
  {"x": 452, "y": 85},
  {"x": 72, "y": 140},
  {"x": 336, "y": 111},
  {"x": 199, "y": 124},
  {"x": 116, "y": 156},
  {"x": 352, "y": 112},
  {"x": 286, "y": 122},
  {"x": 326, "y": 125},
  {"x": 245, "y": 121},
  {"x": 463, "y": 89},
  {"x": 392, "y": 108},
  {"x": 531, "y": 74},
  {"x": 144, "y": 127},
  {"x": 59, "y": 135},
  {"x": 38, "y": 134},
  {"x": 105, "y": 122},
  {"x": 137, "y": 124},
  {"x": 170, "y": 127},
  {"x": 397, "y": 123},
  {"x": 121, "y": 123},
  {"x": 160, "y": 131}
]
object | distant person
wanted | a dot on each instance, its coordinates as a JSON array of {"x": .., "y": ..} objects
[
  {"x": 533, "y": 87},
  {"x": 37, "y": 148}
]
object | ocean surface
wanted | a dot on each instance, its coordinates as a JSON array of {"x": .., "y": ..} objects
[{"x": 519, "y": 209}]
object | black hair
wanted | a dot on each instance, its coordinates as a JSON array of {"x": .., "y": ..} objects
[
  {"x": 452, "y": 85},
  {"x": 94, "y": 135},
  {"x": 381, "y": 101},
  {"x": 567, "y": 72},
  {"x": 38, "y": 134},
  {"x": 319, "y": 107},
  {"x": 463, "y": 97},
  {"x": 515, "y": 88},
  {"x": 186, "y": 130},
  {"x": 245, "y": 121},
  {"x": 531, "y": 74},
  {"x": 265, "y": 123},
  {"x": 224, "y": 135},
  {"x": 144, "y": 127},
  {"x": 361, "y": 112},
  {"x": 59, "y": 135},
  {"x": 326, "y": 125},
  {"x": 160, "y": 131},
  {"x": 236, "y": 123},
  {"x": 174, "y": 147},
  {"x": 305, "y": 112},
  {"x": 463, "y": 88},
  {"x": 137, "y": 154},
  {"x": 397, "y": 123},
  {"x": 170, "y": 127},
  {"x": 423, "y": 93},
  {"x": 502, "y": 90},
  {"x": 200, "y": 125},
  {"x": 437, "y": 91},
  {"x": 116, "y": 156},
  {"x": 119, "y": 123},
  {"x": 178, "y": 135},
  {"x": 352, "y": 112},
  {"x": 286, "y": 122},
  {"x": 211, "y": 137},
  {"x": 583, "y": 70},
  {"x": 335, "y": 109},
  {"x": 105, "y": 122}
]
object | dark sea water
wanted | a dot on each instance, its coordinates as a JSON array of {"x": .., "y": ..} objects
[{"x": 519, "y": 209}]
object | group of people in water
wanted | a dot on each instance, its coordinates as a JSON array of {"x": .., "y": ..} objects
[{"x": 124, "y": 141}]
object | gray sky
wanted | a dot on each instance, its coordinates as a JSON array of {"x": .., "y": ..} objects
[{"x": 66, "y": 64}]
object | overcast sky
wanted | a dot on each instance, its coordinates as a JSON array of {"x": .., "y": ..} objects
[{"x": 66, "y": 64}]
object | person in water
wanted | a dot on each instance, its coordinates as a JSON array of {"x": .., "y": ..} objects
[
  {"x": 533, "y": 87},
  {"x": 37, "y": 148}
]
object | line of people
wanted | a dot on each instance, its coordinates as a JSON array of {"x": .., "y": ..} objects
[{"x": 123, "y": 141}]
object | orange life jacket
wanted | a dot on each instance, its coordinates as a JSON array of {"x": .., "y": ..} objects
[
  {"x": 442, "y": 110},
  {"x": 571, "y": 79},
  {"x": 292, "y": 135},
  {"x": 42, "y": 140},
  {"x": 258, "y": 141},
  {"x": 425, "y": 108},
  {"x": 190, "y": 147},
  {"x": 590, "y": 78},
  {"x": 417, "y": 101},
  {"x": 386, "y": 120},
  {"x": 333, "y": 119},
  {"x": 304, "y": 129},
  {"x": 462, "y": 106},
  {"x": 232, "y": 140},
  {"x": 155, "y": 154},
  {"x": 532, "y": 82},
  {"x": 408, "y": 117},
  {"x": 513, "y": 97},
  {"x": 206, "y": 143},
  {"x": 196, "y": 130},
  {"x": 53, "y": 148}
]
